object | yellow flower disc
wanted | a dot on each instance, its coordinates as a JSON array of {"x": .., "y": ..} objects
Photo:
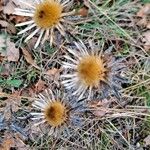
[
  {"x": 91, "y": 70},
  {"x": 47, "y": 14},
  {"x": 55, "y": 113}
]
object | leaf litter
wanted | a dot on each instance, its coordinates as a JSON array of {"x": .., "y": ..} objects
[
  {"x": 11, "y": 53},
  {"x": 144, "y": 14},
  {"x": 29, "y": 59},
  {"x": 9, "y": 50}
]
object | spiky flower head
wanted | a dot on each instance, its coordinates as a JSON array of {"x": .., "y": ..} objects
[
  {"x": 45, "y": 16},
  {"x": 56, "y": 112},
  {"x": 86, "y": 69}
]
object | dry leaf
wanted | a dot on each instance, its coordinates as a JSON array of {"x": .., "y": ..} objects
[
  {"x": 1, "y": 4},
  {"x": 54, "y": 74},
  {"x": 12, "y": 51},
  {"x": 144, "y": 13},
  {"x": 148, "y": 25},
  {"x": 142, "y": 22},
  {"x": 11, "y": 28},
  {"x": 3, "y": 23},
  {"x": 100, "y": 113},
  {"x": 21, "y": 5},
  {"x": 6, "y": 69},
  {"x": 99, "y": 108},
  {"x": 9, "y": 8},
  {"x": 10, "y": 5},
  {"x": 12, "y": 140},
  {"x": 32, "y": 42},
  {"x": 8, "y": 142},
  {"x": 2, "y": 58},
  {"x": 83, "y": 11},
  {"x": 12, "y": 104},
  {"x": 2, "y": 42},
  {"x": 100, "y": 103},
  {"x": 146, "y": 40},
  {"x": 17, "y": 19},
  {"x": 21, "y": 145},
  {"x": 40, "y": 86},
  {"x": 28, "y": 92},
  {"x": 29, "y": 58},
  {"x": 0, "y": 89},
  {"x": 147, "y": 140}
]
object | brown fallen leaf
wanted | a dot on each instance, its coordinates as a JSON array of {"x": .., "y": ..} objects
[
  {"x": 99, "y": 108},
  {"x": 31, "y": 43},
  {"x": 2, "y": 43},
  {"x": 6, "y": 69},
  {"x": 83, "y": 11},
  {"x": 3, "y": 23},
  {"x": 11, "y": 28},
  {"x": 11, "y": 141},
  {"x": 1, "y": 4},
  {"x": 17, "y": 19},
  {"x": 101, "y": 112},
  {"x": 29, "y": 58},
  {"x": 148, "y": 25},
  {"x": 28, "y": 92},
  {"x": 146, "y": 40},
  {"x": 20, "y": 144},
  {"x": 2, "y": 58},
  {"x": 21, "y": 5},
  {"x": 147, "y": 140},
  {"x": 0, "y": 89},
  {"x": 40, "y": 86},
  {"x": 144, "y": 13},
  {"x": 145, "y": 10},
  {"x": 53, "y": 74},
  {"x": 12, "y": 104},
  {"x": 12, "y": 51},
  {"x": 8, "y": 142},
  {"x": 9, "y": 8},
  {"x": 142, "y": 22}
]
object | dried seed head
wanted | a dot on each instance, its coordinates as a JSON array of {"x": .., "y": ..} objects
[
  {"x": 45, "y": 17},
  {"x": 91, "y": 70},
  {"x": 55, "y": 113},
  {"x": 86, "y": 69},
  {"x": 47, "y": 14}
]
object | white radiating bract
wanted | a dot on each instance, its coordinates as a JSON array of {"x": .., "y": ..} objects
[{"x": 31, "y": 26}]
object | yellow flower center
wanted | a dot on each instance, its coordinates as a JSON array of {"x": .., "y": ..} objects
[
  {"x": 47, "y": 14},
  {"x": 91, "y": 70},
  {"x": 56, "y": 113}
]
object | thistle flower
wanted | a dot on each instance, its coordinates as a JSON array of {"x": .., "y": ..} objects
[
  {"x": 58, "y": 114},
  {"x": 84, "y": 70},
  {"x": 46, "y": 15}
]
